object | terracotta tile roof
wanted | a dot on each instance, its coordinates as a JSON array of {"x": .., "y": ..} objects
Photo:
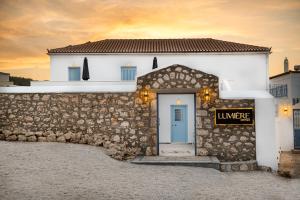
[{"x": 200, "y": 45}]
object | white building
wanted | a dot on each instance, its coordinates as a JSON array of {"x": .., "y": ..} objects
[
  {"x": 285, "y": 87},
  {"x": 4, "y": 80},
  {"x": 240, "y": 69}
]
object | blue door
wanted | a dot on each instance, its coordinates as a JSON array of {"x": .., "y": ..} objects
[
  {"x": 297, "y": 128},
  {"x": 179, "y": 123}
]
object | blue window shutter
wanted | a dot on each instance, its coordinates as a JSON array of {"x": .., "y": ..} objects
[
  {"x": 128, "y": 73},
  {"x": 74, "y": 73}
]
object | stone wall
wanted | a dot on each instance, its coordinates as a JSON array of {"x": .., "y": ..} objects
[
  {"x": 228, "y": 143},
  {"x": 125, "y": 123},
  {"x": 115, "y": 121},
  {"x": 250, "y": 165}
]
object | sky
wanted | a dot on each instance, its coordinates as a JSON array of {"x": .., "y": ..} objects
[{"x": 29, "y": 27}]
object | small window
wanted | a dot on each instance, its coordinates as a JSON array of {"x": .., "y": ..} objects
[
  {"x": 178, "y": 115},
  {"x": 128, "y": 73},
  {"x": 74, "y": 73}
]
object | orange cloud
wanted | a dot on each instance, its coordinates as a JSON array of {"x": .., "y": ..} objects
[{"x": 28, "y": 28}]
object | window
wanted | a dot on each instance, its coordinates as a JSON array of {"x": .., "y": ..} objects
[
  {"x": 128, "y": 73},
  {"x": 74, "y": 73},
  {"x": 279, "y": 90},
  {"x": 178, "y": 115}
]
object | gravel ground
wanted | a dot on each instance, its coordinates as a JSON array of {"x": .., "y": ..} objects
[{"x": 73, "y": 171}]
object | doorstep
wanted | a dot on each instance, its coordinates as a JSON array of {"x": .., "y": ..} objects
[
  {"x": 296, "y": 151},
  {"x": 196, "y": 161}
]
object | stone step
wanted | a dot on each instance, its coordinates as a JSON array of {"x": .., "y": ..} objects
[
  {"x": 296, "y": 151},
  {"x": 196, "y": 161}
]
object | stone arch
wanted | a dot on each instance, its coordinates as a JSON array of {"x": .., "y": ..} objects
[{"x": 177, "y": 77}]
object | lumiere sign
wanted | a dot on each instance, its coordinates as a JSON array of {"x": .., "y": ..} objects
[{"x": 234, "y": 116}]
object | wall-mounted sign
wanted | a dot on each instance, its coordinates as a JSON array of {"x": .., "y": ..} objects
[{"x": 234, "y": 116}]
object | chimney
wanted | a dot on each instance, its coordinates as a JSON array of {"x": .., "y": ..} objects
[
  {"x": 297, "y": 67},
  {"x": 286, "y": 65}
]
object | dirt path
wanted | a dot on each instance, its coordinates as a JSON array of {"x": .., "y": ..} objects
[{"x": 73, "y": 171}]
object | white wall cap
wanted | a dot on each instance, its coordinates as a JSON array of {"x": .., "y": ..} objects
[{"x": 245, "y": 94}]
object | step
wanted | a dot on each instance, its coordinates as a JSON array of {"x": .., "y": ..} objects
[
  {"x": 296, "y": 151},
  {"x": 196, "y": 161}
]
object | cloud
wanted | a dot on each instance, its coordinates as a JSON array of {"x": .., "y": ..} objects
[{"x": 28, "y": 28}]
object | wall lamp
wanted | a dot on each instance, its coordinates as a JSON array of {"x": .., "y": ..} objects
[
  {"x": 145, "y": 95},
  {"x": 206, "y": 95},
  {"x": 285, "y": 110}
]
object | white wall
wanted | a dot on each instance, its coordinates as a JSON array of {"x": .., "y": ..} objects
[
  {"x": 244, "y": 71},
  {"x": 285, "y": 126},
  {"x": 266, "y": 140},
  {"x": 165, "y": 102},
  {"x": 70, "y": 88},
  {"x": 284, "y": 120},
  {"x": 285, "y": 133},
  {"x": 4, "y": 77}
]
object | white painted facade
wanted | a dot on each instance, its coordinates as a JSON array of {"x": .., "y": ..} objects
[
  {"x": 266, "y": 140},
  {"x": 241, "y": 71},
  {"x": 284, "y": 110},
  {"x": 165, "y": 102}
]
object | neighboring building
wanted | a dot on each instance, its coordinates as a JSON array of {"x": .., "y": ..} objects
[
  {"x": 200, "y": 93},
  {"x": 285, "y": 87},
  {"x": 4, "y": 80}
]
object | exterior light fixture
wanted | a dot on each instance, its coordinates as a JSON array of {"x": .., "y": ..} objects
[
  {"x": 145, "y": 95},
  {"x": 178, "y": 101},
  {"x": 285, "y": 110},
  {"x": 206, "y": 95}
]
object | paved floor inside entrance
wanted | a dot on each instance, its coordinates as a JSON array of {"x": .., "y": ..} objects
[
  {"x": 47, "y": 171},
  {"x": 177, "y": 150}
]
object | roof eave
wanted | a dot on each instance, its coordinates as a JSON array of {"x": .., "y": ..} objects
[{"x": 117, "y": 53}]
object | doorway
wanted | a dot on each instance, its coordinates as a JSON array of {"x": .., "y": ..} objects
[
  {"x": 296, "y": 122},
  {"x": 176, "y": 124}
]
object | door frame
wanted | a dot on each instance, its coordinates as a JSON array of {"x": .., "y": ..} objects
[
  {"x": 294, "y": 127},
  {"x": 157, "y": 119},
  {"x": 185, "y": 123}
]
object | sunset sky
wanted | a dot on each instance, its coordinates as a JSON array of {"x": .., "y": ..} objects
[{"x": 28, "y": 28}]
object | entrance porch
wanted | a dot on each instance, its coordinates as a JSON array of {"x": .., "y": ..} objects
[{"x": 176, "y": 117}]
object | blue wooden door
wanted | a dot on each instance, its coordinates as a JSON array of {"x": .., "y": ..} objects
[
  {"x": 179, "y": 123},
  {"x": 297, "y": 128}
]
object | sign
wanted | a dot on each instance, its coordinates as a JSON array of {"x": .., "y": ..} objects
[{"x": 234, "y": 116}]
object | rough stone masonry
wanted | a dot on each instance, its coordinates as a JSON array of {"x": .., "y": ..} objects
[{"x": 123, "y": 122}]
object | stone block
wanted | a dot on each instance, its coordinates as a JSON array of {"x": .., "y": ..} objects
[
  {"x": 42, "y": 139},
  {"x": 11, "y": 138},
  {"x": 22, "y": 138},
  {"x": 51, "y": 137},
  {"x": 202, "y": 152},
  {"x": 61, "y": 139},
  {"x": 244, "y": 167},
  {"x": 116, "y": 138},
  {"x": 68, "y": 136},
  {"x": 31, "y": 138}
]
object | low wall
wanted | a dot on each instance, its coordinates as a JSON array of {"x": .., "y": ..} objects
[
  {"x": 126, "y": 123},
  {"x": 116, "y": 121}
]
